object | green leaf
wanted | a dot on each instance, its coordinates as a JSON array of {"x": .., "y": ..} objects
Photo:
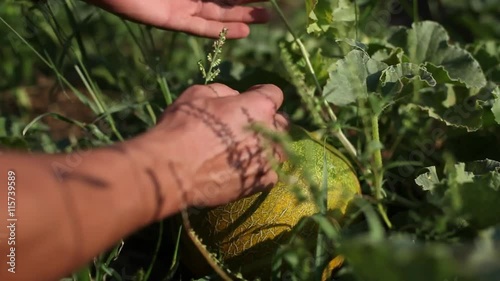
[
  {"x": 3, "y": 127},
  {"x": 483, "y": 166},
  {"x": 441, "y": 75},
  {"x": 407, "y": 70},
  {"x": 390, "y": 56},
  {"x": 457, "y": 106},
  {"x": 459, "y": 175},
  {"x": 496, "y": 106},
  {"x": 54, "y": 115},
  {"x": 83, "y": 274},
  {"x": 470, "y": 192},
  {"x": 326, "y": 14},
  {"x": 399, "y": 259},
  {"x": 480, "y": 200},
  {"x": 17, "y": 143},
  {"x": 428, "y": 42},
  {"x": 429, "y": 180},
  {"x": 353, "y": 43},
  {"x": 487, "y": 53},
  {"x": 354, "y": 77},
  {"x": 320, "y": 15},
  {"x": 402, "y": 257},
  {"x": 395, "y": 77}
]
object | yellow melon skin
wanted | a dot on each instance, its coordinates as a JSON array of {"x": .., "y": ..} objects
[{"x": 246, "y": 233}]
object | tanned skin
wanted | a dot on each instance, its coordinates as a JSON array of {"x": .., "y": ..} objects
[
  {"x": 199, "y": 17},
  {"x": 71, "y": 207}
]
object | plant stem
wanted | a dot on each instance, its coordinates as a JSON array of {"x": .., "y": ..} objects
[
  {"x": 303, "y": 49},
  {"x": 165, "y": 90},
  {"x": 377, "y": 158},
  {"x": 338, "y": 133},
  {"x": 406, "y": 7},
  {"x": 151, "y": 113},
  {"x": 94, "y": 92},
  {"x": 74, "y": 25},
  {"x": 356, "y": 14},
  {"x": 415, "y": 11},
  {"x": 157, "y": 250},
  {"x": 378, "y": 169}
]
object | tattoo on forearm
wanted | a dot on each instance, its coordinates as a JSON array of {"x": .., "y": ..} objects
[
  {"x": 87, "y": 179},
  {"x": 160, "y": 198}
]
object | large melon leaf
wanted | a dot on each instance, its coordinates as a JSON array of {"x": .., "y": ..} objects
[
  {"x": 428, "y": 43},
  {"x": 396, "y": 77},
  {"x": 357, "y": 75},
  {"x": 354, "y": 77},
  {"x": 487, "y": 53},
  {"x": 458, "y": 106}
]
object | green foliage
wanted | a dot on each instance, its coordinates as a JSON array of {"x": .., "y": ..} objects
[
  {"x": 472, "y": 19},
  {"x": 487, "y": 54},
  {"x": 377, "y": 79},
  {"x": 338, "y": 15},
  {"x": 403, "y": 258},
  {"x": 353, "y": 78},
  {"x": 470, "y": 193},
  {"x": 496, "y": 107},
  {"x": 427, "y": 43}
]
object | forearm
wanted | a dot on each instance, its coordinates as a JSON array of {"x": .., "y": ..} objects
[{"x": 69, "y": 208}]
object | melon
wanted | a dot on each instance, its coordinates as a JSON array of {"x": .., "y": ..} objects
[{"x": 246, "y": 233}]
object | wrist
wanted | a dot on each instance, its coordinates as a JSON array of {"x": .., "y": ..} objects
[{"x": 160, "y": 173}]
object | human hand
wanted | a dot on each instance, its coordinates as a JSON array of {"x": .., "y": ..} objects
[
  {"x": 203, "y": 151},
  {"x": 199, "y": 17}
]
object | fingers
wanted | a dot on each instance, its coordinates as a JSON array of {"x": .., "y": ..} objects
[
  {"x": 281, "y": 125},
  {"x": 216, "y": 12},
  {"x": 238, "y": 2},
  {"x": 212, "y": 17},
  {"x": 215, "y": 90},
  {"x": 250, "y": 1},
  {"x": 281, "y": 122},
  {"x": 269, "y": 92},
  {"x": 209, "y": 28},
  {"x": 262, "y": 100}
]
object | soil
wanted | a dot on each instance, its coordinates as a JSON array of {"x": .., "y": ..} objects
[{"x": 47, "y": 95}]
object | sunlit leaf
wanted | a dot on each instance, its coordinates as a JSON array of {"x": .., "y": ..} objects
[
  {"x": 354, "y": 77},
  {"x": 428, "y": 180},
  {"x": 496, "y": 106},
  {"x": 325, "y": 14}
]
